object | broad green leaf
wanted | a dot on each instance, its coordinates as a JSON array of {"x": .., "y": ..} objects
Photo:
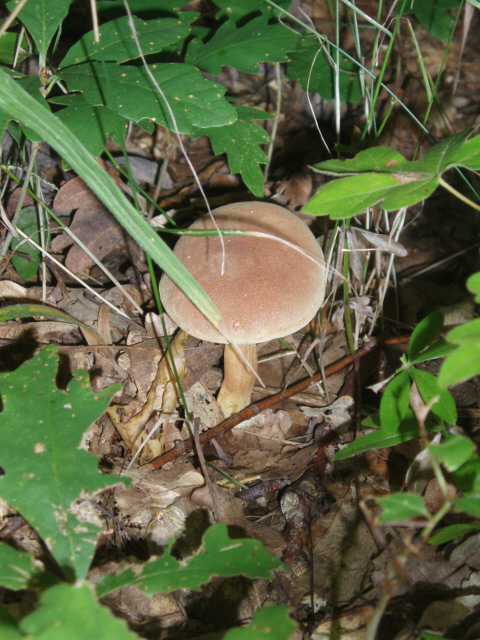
[
  {"x": 314, "y": 70},
  {"x": 395, "y": 403},
  {"x": 27, "y": 258},
  {"x": 42, "y": 18},
  {"x": 453, "y": 532},
  {"x": 376, "y": 159},
  {"x": 241, "y": 142},
  {"x": 16, "y": 568},
  {"x": 473, "y": 285},
  {"x": 409, "y": 193},
  {"x": 269, "y": 623},
  {"x": 243, "y": 48},
  {"x": 117, "y": 44},
  {"x": 468, "y": 504},
  {"x": 465, "y": 334},
  {"x": 73, "y": 612},
  {"x": 424, "y": 334},
  {"x": 8, "y": 627},
  {"x": 454, "y": 452},
  {"x": 22, "y": 107},
  {"x": 346, "y": 197},
  {"x": 467, "y": 477},
  {"x": 8, "y": 46},
  {"x": 237, "y": 9},
  {"x": 445, "y": 408},
  {"x": 41, "y": 427},
  {"x": 379, "y": 440},
  {"x": 426, "y": 635},
  {"x": 462, "y": 364},
  {"x": 399, "y": 507},
  {"x": 468, "y": 154},
  {"x": 94, "y": 125},
  {"x": 220, "y": 555},
  {"x": 438, "y": 350},
  {"x": 127, "y": 90},
  {"x": 141, "y": 6},
  {"x": 437, "y": 16}
]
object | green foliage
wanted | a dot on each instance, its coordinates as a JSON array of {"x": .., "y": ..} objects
[
  {"x": 398, "y": 507},
  {"x": 220, "y": 555},
  {"x": 27, "y": 258},
  {"x": 454, "y": 452},
  {"x": 271, "y": 623},
  {"x": 437, "y": 16},
  {"x": 382, "y": 176},
  {"x": 16, "y": 568},
  {"x": 46, "y": 471}
]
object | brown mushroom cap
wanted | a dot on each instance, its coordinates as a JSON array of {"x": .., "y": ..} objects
[{"x": 268, "y": 290}]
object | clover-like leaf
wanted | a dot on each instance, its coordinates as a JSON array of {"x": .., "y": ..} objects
[{"x": 46, "y": 471}]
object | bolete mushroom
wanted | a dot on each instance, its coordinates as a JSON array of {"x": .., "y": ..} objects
[{"x": 268, "y": 289}]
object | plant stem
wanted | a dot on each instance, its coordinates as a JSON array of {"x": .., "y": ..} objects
[{"x": 458, "y": 195}]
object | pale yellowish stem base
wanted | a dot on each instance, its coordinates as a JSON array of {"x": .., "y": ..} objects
[{"x": 238, "y": 381}]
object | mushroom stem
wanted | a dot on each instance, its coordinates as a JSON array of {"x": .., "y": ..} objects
[{"x": 238, "y": 381}]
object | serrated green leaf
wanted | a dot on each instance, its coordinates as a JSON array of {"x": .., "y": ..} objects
[
  {"x": 220, "y": 556},
  {"x": 42, "y": 18},
  {"x": 461, "y": 365},
  {"x": 424, "y": 334},
  {"x": 346, "y": 197},
  {"x": 453, "y": 532},
  {"x": 399, "y": 507},
  {"x": 376, "y": 159},
  {"x": 41, "y": 427},
  {"x": 241, "y": 142},
  {"x": 310, "y": 66},
  {"x": 468, "y": 504},
  {"x": 26, "y": 258},
  {"x": 117, "y": 45},
  {"x": 454, "y": 452},
  {"x": 243, "y": 48},
  {"x": 16, "y": 568},
  {"x": 73, "y": 612},
  {"x": 126, "y": 90},
  {"x": 19, "y": 105},
  {"x": 269, "y": 623},
  {"x": 445, "y": 408},
  {"x": 94, "y": 125}
]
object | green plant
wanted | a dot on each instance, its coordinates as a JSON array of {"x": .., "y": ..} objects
[{"x": 51, "y": 481}]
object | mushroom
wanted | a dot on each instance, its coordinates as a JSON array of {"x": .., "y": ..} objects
[{"x": 268, "y": 289}]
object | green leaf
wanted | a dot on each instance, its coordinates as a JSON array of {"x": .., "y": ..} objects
[
  {"x": 8, "y": 627},
  {"x": 473, "y": 285},
  {"x": 220, "y": 556},
  {"x": 461, "y": 365},
  {"x": 379, "y": 440},
  {"x": 454, "y": 452},
  {"x": 72, "y": 611},
  {"x": 426, "y": 635},
  {"x": 269, "y": 623},
  {"x": 237, "y": 9},
  {"x": 437, "y": 16},
  {"x": 314, "y": 70},
  {"x": 127, "y": 91},
  {"x": 467, "y": 477},
  {"x": 465, "y": 334},
  {"x": 399, "y": 507},
  {"x": 424, "y": 334},
  {"x": 41, "y": 427},
  {"x": 468, "y": 504},
  {"x": 8, "y": 46},
  {"x": 453, "y": 532},
  {"x": 241, "y": 142},
  {"x": 445, "y": 408},
  {"x": 395, "y": 403},
  {"x": 346, "y": 197},
  {"x": 438, "y": 350},
  {"x": 19, "y": 105},
  {"x": 376, "y": 159},
  {"x": 117, "y": 45},
  {"x": 27, "y": 258},
  {"x": 243, "y": 48},
  {"x": 94, "y": 125},
  {"x": 16, "y": 568},
  {"x": 468, "y": 154},
  {"x": 42, "y": 18}
]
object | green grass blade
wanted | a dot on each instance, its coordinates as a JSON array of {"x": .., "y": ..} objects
[{"x": 22, "y": 107}]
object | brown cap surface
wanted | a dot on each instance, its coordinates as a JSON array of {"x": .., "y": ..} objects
[{"x": 268, "y": 290}]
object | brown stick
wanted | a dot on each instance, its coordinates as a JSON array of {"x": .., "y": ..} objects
[{"x": 266, "y": 403}]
